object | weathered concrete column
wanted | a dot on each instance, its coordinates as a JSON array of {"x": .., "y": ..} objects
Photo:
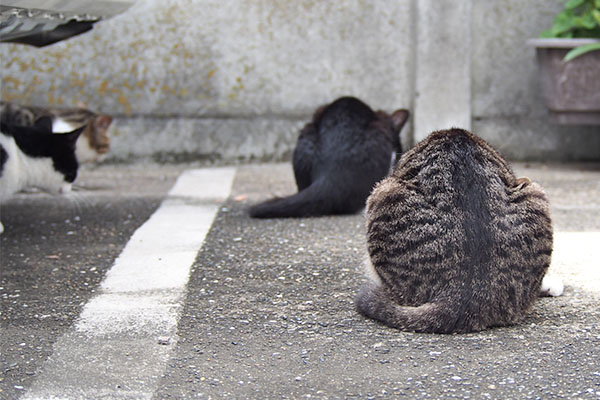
[{"x": 443, "y": 66}]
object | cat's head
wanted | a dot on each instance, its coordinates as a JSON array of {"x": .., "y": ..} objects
[
  {"x": 62, "y": 150},
  {"x": 94, "y": 143},
  {"x": 393, "y": 124},
  {"x": 459, "y": 138},
  {"x": 39, "y": 142},
  {"x": 95, "y": 140}
]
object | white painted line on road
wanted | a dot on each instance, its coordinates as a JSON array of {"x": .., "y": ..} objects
[{"x": 113, "y": 350}]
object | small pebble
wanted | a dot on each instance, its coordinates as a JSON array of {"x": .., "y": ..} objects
[{"x": 164, "y": 340}]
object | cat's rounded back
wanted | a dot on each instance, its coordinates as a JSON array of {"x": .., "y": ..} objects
[
  {"x": 341, "y": 126},
  {"x": 470, "y": 234}
]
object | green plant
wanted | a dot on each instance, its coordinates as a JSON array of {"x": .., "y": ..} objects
[{"x": 578, "y": 19}]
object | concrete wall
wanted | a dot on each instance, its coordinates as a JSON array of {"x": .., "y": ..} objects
[
  {"x": 235, "y": 79},
  {"x": 506, "y": 107}
]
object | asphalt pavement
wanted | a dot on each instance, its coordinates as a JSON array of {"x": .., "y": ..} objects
[{"x": 265, "y": 307}]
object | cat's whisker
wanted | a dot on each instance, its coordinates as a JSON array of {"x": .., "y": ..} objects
[{"x": 78, "y": 201}]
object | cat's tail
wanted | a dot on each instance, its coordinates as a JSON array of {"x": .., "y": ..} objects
[
  {"x": 311, "y": 202},
  {"x": 438, "y": 317}
]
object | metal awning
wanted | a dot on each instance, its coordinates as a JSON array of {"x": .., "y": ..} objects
[{"x": 43, "y": 22}]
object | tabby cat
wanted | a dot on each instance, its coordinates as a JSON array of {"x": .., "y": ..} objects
[
  {"x": 95, "y": 139},
  {"x": 338, "y": 158},
  {"x": 456, "y": 242},
  {"x": 34, "y": 156}
]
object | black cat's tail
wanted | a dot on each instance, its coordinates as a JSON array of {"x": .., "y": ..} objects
[
  {"x": 438, "y": 317},
  {"x": 310, "y": 202}
]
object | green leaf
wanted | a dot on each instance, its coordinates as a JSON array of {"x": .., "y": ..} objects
[
  {"x": 578, "y": 51},
  {"x": 596, "y": 15},
  {"x": 561, "y": 26},
  {"x": 547, "y": 34},
  {"x": 578, "y": 19},
  {"x": 571, "y": 4},
  {"x": 586, "y": 22}
]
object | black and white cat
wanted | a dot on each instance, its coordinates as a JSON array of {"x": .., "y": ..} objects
[
  {"x": 94, "y": 142},
  {"x": 35, "y": 157},
  {"x": 339, "y": 157}
]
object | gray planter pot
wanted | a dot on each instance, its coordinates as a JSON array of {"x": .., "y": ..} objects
[{"x": 571, "y": 90}]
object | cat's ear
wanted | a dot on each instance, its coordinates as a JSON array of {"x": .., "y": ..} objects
[
  {"x": 399, "y": 118},
  {"x": 318, "y": 112},
  {"x": 44, "y": 123},
  {"x": 522, "y": 182},
  {"x": 81, "y": 104},
  {"x": 103, "y": 121}
]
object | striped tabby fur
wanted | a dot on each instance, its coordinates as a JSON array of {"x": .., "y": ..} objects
[{"x": 456, "y": 242}]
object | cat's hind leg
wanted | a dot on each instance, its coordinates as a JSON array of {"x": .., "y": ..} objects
[{"x": 304, "y": 156}]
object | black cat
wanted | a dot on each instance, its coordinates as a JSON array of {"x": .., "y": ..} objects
[{"x": 339, "y": 157}]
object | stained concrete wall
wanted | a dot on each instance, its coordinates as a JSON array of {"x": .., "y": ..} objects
[
  {"x": 230, "y": 80},
  {"x": 443, "y": 66},
  {"x": 506, "y": 108}
]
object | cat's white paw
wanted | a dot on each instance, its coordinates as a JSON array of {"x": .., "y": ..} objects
[
  {"x": 66, "y": 188},
  {"x": 1, "y": 228},
  {"x": 552, "y": 286}
]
